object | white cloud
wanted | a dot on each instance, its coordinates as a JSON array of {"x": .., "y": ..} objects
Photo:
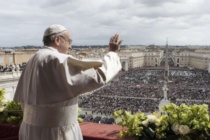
[{"x": 93, "y": 22}]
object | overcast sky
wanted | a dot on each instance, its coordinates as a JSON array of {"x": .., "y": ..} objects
[{"x": 92, "y": 22}]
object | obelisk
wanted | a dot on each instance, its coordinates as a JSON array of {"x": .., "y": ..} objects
[
  {"x": 165, "y": 100},
  {"x": 166, "y": 73}
]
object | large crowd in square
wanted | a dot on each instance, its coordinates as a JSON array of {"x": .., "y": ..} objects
[{"x": 141, "y": 90}]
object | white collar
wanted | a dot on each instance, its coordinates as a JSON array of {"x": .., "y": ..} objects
[{"x": 52, "y": 48}]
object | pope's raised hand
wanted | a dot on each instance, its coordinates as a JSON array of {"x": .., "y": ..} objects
[{"x": 114, "y": 43}]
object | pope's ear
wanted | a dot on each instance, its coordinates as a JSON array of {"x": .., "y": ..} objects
[{"x": 57, "y": 40}]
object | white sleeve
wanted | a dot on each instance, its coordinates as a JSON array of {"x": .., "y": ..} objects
[
  {"x": 93, "y": 78},
  {"x": 111, "y": 65}
]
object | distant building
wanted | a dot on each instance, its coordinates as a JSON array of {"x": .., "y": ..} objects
[
  {"x": 130, "y": 58},
  {"x": 15, "y": 58},
  {"x": 199, "y": 59},
  {"x": 153, "y": 57},
  {"x": 142, "y": 57}
]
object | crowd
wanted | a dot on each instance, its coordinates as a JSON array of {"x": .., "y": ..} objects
[
  {"x": 140, "y": 90},
  {"x": 12, "y": 67},
  {"x": 97, "y": 119},
  {"x": 107, "y": 105}
]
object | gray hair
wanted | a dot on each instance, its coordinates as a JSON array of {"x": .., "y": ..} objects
[
  {"x": 48, "y": 40},
  {"x": 51, "y": 32}
]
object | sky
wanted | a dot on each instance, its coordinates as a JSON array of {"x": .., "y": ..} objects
[{"x": 93, "y": 22}]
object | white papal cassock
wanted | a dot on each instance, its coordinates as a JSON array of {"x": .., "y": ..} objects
[{"x": 48, "y": 90}]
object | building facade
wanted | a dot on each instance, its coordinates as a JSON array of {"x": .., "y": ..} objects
[
  {"x": 14, "y": 58},
  {"x": 153, "y": 58},
  {"x": 197, "y": 59},
  {"x": 130, "y": 58}
]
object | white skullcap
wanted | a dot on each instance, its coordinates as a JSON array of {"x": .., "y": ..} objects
[{"x": 54, "y": 29}]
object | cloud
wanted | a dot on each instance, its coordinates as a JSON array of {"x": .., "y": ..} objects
[
  {"x": 153, "y": 3},
  {"x": 93, "y": 22}
]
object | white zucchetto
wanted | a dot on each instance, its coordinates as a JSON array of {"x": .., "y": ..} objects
[{"x": 54, "y": 29}]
